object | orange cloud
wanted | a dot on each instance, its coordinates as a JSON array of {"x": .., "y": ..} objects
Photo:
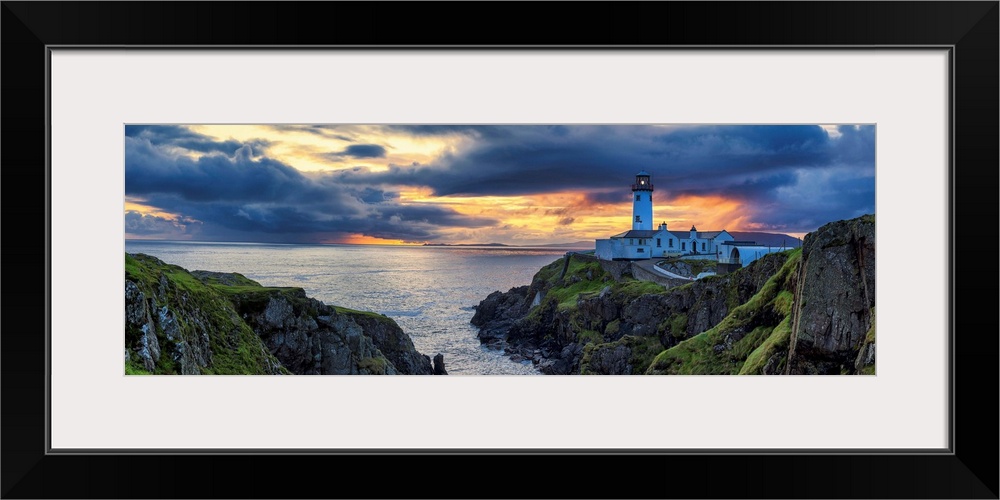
[
  {"x": 360, "y": 239},
  {"x": 708, "y": 213}
]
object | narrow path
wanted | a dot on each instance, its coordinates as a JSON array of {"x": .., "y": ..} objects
[{"x": 648, "y": 273}]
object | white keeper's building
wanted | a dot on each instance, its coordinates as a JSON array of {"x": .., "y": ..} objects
[{"x": 644, "y": 242}]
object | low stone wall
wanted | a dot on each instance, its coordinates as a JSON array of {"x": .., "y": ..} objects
[
  {"x": 700, "y": 256},
  {"x": 588, "y": 257},
  {"x": 616, "y": 267}
]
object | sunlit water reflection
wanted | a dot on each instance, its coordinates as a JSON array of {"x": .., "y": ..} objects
[{"x": 429, "y": 291}]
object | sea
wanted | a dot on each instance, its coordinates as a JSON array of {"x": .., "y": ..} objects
[{"x": 430, "y": 291}]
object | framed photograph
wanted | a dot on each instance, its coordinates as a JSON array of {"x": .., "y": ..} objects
[{"x": 473, "y": 159}]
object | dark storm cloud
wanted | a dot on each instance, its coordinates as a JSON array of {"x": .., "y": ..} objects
[
  {"x": 823, "y": 197},
  {"x": 371, "y": 195},
  {"x": 856, "y": 144},
  {"x": 177, "y": 136},
  {"x": 241, "y": 177},
  {"x": 757, "y": 165},
  {"x": 791, "y": 177},
  {"x": 535, "y": 159},
  {"x": 148, "y": 224},
  {"x": 248, "y": 196},
  {"x": 361, "y": 151},
  {"x": 764, "y": 187},
  {"x": 607, "y": 197}
]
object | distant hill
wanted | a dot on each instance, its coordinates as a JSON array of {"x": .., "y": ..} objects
[
  {"x": 465, "y": 245},
  {"x": 769, "y": 239},
  {"x": 575, "y": 244}
]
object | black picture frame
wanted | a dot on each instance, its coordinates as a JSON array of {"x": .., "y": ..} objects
[{"x": 970, "y": 29}]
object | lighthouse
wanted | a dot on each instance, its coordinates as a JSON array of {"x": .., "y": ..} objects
[
  {"x": 643, "y": 242},
  {"x": 642, "y": 202}
]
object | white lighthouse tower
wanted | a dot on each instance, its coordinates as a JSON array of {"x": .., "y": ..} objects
[{"x": 642, "y": 202}]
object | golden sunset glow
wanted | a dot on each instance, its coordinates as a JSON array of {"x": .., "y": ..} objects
[
  {"x": 708, "y": 213},
  {"x": 468, "y": 184},
  {"x": 360, "y": 239},
  {"x": 136, "y": 205}
]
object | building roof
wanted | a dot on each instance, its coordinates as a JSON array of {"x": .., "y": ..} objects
[
  {"x": 753, "y": 252},
  {"x": 637, "y": 233},
  {"x": 708, "y": 235},
  {"x": 642, "y": 172}
]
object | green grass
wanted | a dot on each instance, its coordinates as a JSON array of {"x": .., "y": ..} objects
[
  {"x": 225, "y": 279},
  {"x": 201, "y": 310},
  {"x": 243, "y": 289},
  {"x": 612, "y": 328},
  {"x": 575, "y": 283},
  {"x": 374, "y": 366},
  {"x": 783, "y": 302},
  {"x": 697, "y": 354},
  {"x": 136, "y": 269},
  {"x": 870, "y": 334},
  {"x": 589, "y": 337},
  {"x": 367, "y": 314},
  {"x": 689, "y": 357},
  {"x": 776, "y": 342},
  {"x": 633, "y": 289},
  {"x": 134, "y": 367},
  {"x": 869, "y": 339},
  {"x": 642, "y": 349},
  {"x": 678, "y": 325}
]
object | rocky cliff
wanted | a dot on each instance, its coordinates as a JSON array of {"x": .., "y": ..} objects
[
  {"x": 833, "y": 325},
  {"x": 200, "y": 322},
  {"x": 807, "y": 310},
  {"x": 596, "y": 318}
]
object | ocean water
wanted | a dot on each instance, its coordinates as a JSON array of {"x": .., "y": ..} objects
[{"x": 429, "y": 291}]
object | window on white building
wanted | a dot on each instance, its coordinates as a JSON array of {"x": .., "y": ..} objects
[
  {"x": 684, "y": 246},
  {"x": 657, "y": 243},
  {"x": 703, "y": 246}
]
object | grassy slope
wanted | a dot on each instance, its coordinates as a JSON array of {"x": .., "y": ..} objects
[
  {"x": 576, "y": 285},
  {"x": 748, "y": 354},
  {"x": 199, "y": 307},
  {"x": 869, "y": 339}
]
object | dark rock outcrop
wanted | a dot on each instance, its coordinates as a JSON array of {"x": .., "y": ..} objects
[
  {"x": 223, "y": 323},
  {"x": 835, "y": 300},
  {"x": 498, "y": 311},
  {"x": 439, "y": 368},
  {"x": 553, "y": 333},
  {"x": 814, "y": 316}
]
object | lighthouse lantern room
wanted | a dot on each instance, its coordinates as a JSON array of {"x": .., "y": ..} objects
[{"x": 642, "y": 202}]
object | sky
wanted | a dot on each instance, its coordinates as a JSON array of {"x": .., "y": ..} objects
[{"x": 465, "y": 184}]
